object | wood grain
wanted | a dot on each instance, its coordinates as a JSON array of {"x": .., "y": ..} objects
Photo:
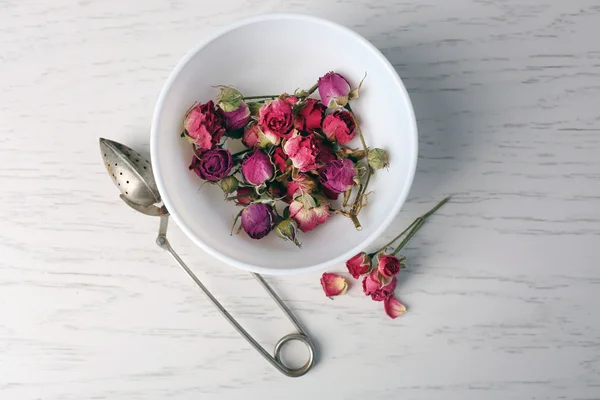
[{"x": 502, "y": 285}]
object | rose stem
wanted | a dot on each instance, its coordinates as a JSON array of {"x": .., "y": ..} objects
[
  {"x": 362, "y": 188},
  {"x": 312, "y": 89},
  {"x": 357, "y": 224},
  {"x": 418, "y": 224},
  {"x": 272, "y": 96}
]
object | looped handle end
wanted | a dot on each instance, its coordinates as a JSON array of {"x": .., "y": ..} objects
[{"x": 295, "y": 373}]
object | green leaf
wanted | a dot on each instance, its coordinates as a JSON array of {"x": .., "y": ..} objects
[
  {"x": 254, "y": 107},
  {"x": 286, "y": 213}
]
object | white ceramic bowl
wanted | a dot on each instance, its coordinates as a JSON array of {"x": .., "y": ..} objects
[{"x": 272, "y": 54}]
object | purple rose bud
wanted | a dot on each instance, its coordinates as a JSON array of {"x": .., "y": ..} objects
[
  {"x": 334, "y": 87},
  {"x": 338, "y": 175},
  {"x": 237, "y": 119},
  {"x": 212, "y": 165},
  {"x": 257, "y": 168},
  {"x": 257, "y": 220}
]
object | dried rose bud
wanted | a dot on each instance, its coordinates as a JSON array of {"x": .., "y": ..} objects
[
  {"x": 289, "y": 99},
  {"x": 238, "y": 118},
  {"x": 212, "y": 165},
  {"x": 299, "y": 184},
  {"x": 245, "y": 195},
  {"x": 359, "y": 265},
  {"x": 387, "y": 265},
  {"x": 339, "y": 126},
  {"x": 254, "y": 137},
  {"x": 334, "y": 90},
  {"x": 393, "y": 307},
  {"x": 257, "y": 168},
  {"x": 377, "y": 158},
  {"x": 338, "y": 175},
  {"x": 280, "y": 159},
  {"x": 229, "y": 99},
  {"x": 303, "y": 152},
  {"x": 333, "y": 284},
  {"x": 276, "y": 117},
  {"x": 373, "y": 286},
  {"x": 308, "y": 218},
  {"x": 288, "y": 230},
  {"x": 229, "y": 184},
  {"x": 310, "y": 115},
  {"x": 204, "y": 126},
  {"x": 257, "y": 220}
]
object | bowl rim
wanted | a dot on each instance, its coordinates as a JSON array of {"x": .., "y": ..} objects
[{"x": 236, "y": 262}]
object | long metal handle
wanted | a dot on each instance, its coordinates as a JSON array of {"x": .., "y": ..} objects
[{"x": 275, "y": 360}]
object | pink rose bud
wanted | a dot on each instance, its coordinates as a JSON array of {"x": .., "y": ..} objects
[
  {"x": 393, "y": 308},
  {"x": 276, "y": 117},
  {"x": 245, "y": 195},
  {"x": 359, "y": 265},
  {"x": 303, "y": 151},
  {"x": 309, "y": 217},
  {"x": 204, "y": 126},
  {"x": 212, "y": 165},
  {"x": 302, "y": 183},
  {"x": 334, "y": 90},
  {"x": 254, "y": 137},
  {"x": 373, "y": 286},
  {"x": 339, "y": 126},
  {"x": 387, "y": 265},
  {"x": 333, "y": 284},
  {"x": 280, "y": 159},
  {"x": 257, "y": 168},
  {"x": 338, "y": 176},
  {"x": 257, "y": 220},
  {"x": 237, "y": 119},
  {"x": 310, "y": 115}
]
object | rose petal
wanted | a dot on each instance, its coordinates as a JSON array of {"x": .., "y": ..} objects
[
  {"x": 333, "y": 284},
  {"x": 393, "y": 307}
]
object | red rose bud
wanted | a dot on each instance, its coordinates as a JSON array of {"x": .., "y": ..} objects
[
  {"x": 334, "y": 90},
  {"x": 310, "y": 115},
  {"x": 212, "y": 165},
  {"x": 229, "y": 184},
  {"x": 333, "y": 284},
  {"x": 338, "y": 176},
  {"x": 229, "y": 99},
  {"x": 387, "y": 265},
  {"x": 257, "y": 220},
  {"x": 254, "y": 137},
  {"x": 331, "y": 195},
  {"x": 359, "y": 265},
  {"x": 276, "y": 117},
  {"x": 257, "y": 168},
  {"x": 280, "y": 159},
  {"x": 339, "y": 126},
  {"x": 288, "y": 230},
  {"x": 299, "y": 184},
  {"x": 303, "y": 151},
  {"x": 237, "y": 119},
  {"x": 204, "y": 126},
  {"x": 393, "y": 307},
  {"x": 377, "y": 158},
  {"x": 373, "y": 286},
  {"x": 308, "y": 218},
  {"x": 245, "y": 195}
]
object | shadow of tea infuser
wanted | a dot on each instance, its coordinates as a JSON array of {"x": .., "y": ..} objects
[{"x": 133, "y": 176}]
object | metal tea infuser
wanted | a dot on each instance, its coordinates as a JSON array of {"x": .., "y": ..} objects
[{"x": 133, "y": 176}]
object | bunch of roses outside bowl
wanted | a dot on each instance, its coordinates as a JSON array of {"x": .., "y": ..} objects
[{"x": 295, "y": 158}]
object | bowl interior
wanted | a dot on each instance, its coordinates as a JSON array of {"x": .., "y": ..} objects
[{"x": 277, "y": 54}]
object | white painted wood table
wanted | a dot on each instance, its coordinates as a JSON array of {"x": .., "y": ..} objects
[{"x": 503, "y": 286}]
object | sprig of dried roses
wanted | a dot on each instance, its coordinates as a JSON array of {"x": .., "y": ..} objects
[
  {"x": 296, "y": 152},
  {"x": 379, "y": 269}
]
